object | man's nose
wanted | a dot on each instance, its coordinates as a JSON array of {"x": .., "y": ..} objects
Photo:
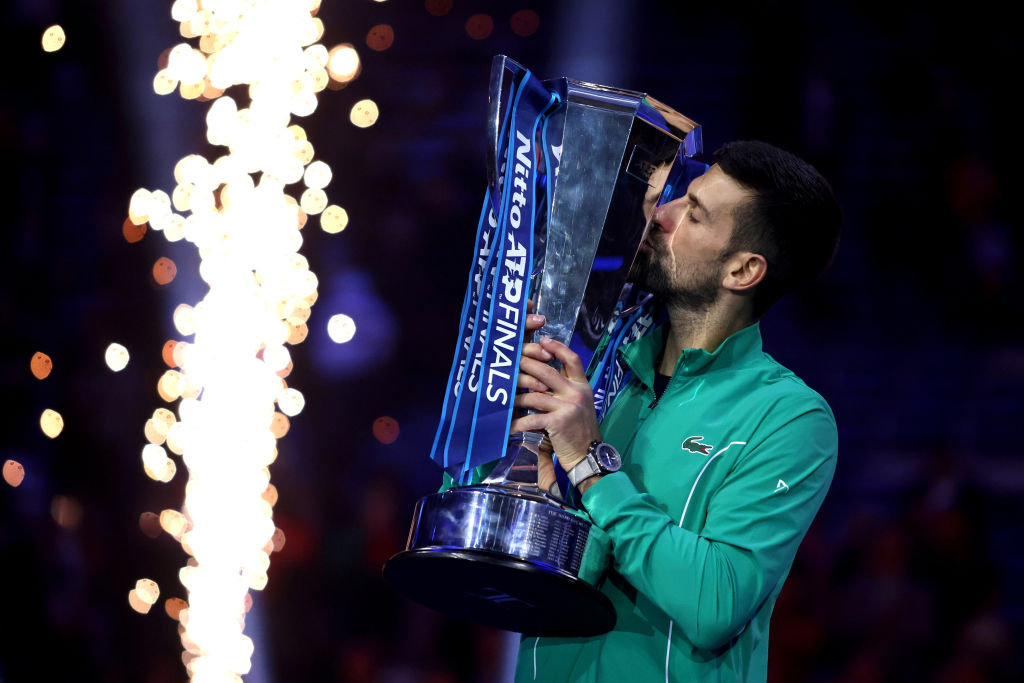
[{"x": 660, "y": 220}]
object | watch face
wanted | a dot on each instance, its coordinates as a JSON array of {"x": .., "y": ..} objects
[{"x": 608, "y": 457}]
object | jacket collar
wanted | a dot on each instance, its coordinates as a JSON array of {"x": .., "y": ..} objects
[{"x": 642, "y": 355}]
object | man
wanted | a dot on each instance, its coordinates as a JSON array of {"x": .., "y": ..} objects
[{"x": 726, "y": 455}]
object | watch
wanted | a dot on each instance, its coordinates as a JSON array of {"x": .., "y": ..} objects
[{"x": 601, "y": 458}]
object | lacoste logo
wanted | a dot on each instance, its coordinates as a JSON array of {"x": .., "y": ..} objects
[
  {"x": 693, "y": 444},
  {"x": 781, "y": 486}
]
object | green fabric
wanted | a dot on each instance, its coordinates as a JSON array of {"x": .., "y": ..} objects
[{"x": 694, "y": 593}]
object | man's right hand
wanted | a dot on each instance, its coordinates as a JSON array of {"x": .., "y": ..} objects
[{"x": 545, "y": 464}]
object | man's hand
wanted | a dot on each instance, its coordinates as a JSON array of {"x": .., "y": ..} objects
[{"x": 564, "y": 401}]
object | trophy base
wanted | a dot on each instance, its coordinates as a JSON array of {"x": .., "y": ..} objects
[
  {"x": 510, "y": 557},
  {"x": 501, "y": 592}
]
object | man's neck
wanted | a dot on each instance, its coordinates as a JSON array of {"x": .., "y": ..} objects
[{"x": 698, "y": 329}]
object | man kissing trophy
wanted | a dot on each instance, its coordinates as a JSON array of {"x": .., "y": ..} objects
[{"x": 575, "y": 171}]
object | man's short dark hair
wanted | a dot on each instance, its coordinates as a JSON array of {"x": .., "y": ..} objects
[{"x": 792, "y": 220}]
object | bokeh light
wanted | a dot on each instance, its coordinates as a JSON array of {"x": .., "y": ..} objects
[
  {"x": 173, "y": 607},
  {"x": 317, "y": 175},
  {"x": 525, "y": 22},
  {"x": 163, "y": 419},
  {"x": 174, "y": 523},
  {"x": 297, "y": 333},
  {"x": 313, "y": 201},
  {"x": 291, "y": 402},
  {"x": 136, "y": 602},
  {"x": 52, "y": 423},
  {"x": 149, "y": 524},
  {"x": 279, "y": 425},
  {"x": 343, "y": 63},
  {"x": 41, "y": 365},
  {"x": 156, "y": 464},
  {"x": 385, "y": 429},
  {"x": 479, "y": 26},
  {"x": 364, "y": 113},
  {"x": 132, "y": 232},
  {"x": 334, "y": 219},
  {"x": 237, "y": 210},
  {"x": 54, "y": 38},
  {"x": 14, "y": 472},
  {"x": 341, "y": 328},
  {"x": 164, "y": 271},
  {"x": 163, "y": 84},
  {"x": 438, "y": 8},
  {"x": 270, "y": 495},
  {"x": 167, "y": 353},
  {"x": 153, "y": 433},
  {"x": 116, "y": 357},
  {"x": 184, "y": 319},
  {"x": 148, "y": 590},
  {"x": 66, "y": 512},
  {"x": 380, "y": 37},
  {"x": 278, "y": 540}
]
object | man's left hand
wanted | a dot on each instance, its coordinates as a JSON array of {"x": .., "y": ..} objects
[{"x": 564, "y": 401}]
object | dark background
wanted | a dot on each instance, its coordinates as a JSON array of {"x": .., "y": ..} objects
[{"x": 912, "y": 569}]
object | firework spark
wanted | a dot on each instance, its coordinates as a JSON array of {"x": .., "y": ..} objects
[{"x": 239, "y": 211}]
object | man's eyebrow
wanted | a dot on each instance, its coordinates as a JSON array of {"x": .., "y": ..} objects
[{"x": 692, "y": 198}]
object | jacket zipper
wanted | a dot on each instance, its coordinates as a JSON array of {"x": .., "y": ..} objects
[{"x": 657, "y": 398}]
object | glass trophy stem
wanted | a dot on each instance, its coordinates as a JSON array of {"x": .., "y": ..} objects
[{"x": 519, "y": 466}]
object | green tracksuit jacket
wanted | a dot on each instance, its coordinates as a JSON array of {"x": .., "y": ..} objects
[{"x": 720, "y": 481}]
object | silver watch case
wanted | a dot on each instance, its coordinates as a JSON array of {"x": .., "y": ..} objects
[{"x": 601, "y": 458}]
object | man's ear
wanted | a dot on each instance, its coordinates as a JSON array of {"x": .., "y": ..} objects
[{"x": 744, "y": 270}]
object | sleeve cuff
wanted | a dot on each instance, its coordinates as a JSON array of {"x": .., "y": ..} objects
[{"x": 603, "y": 497}]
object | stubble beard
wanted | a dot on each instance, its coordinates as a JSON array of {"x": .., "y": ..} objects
[{"x": 697, "y": 294}]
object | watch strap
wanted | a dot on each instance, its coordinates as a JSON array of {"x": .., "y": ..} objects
[{"x": 584, "y": 469}]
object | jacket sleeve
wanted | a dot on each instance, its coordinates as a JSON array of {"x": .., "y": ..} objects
[
  {"x": 711, "y": 582},
  {"x": 477, "y": 475}
]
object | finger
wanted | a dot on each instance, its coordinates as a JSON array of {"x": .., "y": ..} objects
[
  {"x": 545, "y": 471},
  {"x": 545, "y": 373},
  {"x": 528, "y": 423},
  {"x": 539, "y": 401},
  {"x": 533, "y": 350},
  {"x": 572, "y": 363},
  {"x": 535, "y": 321},
  {"x": 531, "y": 383}
]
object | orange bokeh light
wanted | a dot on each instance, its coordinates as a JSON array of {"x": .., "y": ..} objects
[
  {"x": 278, "y": 539},
  {"x": 173, "y": 607},
  {"x": 41, "y": 365},
  {"x": 385, "y": 429},
  {"x": 525, "y": 22},
  {"x": 168, "y": 353},
  {"x": 380, "y": 37},
  {"x": 149, "y": 523},
  {"x": 164, "y": 271},
  {"x": 280, "y": 425},
  {"x": 479, "y": 26},
  {"x": 137, "y": 603},
  {"x": 132, "y": 233},
  {"x": 14, "y": 472},
  {"x": 66, "y": 512},
  {"x": 438, "y": 8}
]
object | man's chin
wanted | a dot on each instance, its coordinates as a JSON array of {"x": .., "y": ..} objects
[
  {"x": 640, "y": 270},
  {"x": 646, "y": 275}
]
